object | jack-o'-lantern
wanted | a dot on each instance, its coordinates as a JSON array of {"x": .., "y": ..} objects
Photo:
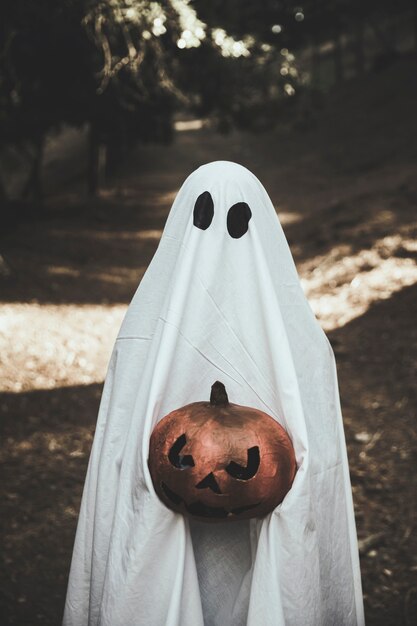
[{"x": 221, "y": 461}]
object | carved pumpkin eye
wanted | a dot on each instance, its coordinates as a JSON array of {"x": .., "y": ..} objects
[
  {"x": 203, "y": 211},
  {"x": 245, "y": 473},
  {"x": 178, "y": 460},
  {"x": 238, "y": 219}
]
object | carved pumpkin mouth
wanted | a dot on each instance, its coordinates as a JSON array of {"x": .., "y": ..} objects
[{"x": 199, "y": 509}]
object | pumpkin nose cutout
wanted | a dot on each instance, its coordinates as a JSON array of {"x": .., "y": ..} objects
[{"x": 209, "y": 482}]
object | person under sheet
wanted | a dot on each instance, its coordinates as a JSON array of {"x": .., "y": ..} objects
[{"x": 221, "y": 300}]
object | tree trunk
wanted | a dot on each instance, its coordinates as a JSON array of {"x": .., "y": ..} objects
[
  {"x": 339, "y": 72},
  {"x": 3, "y": 191},
  {"x": 415, "y": 24},
  {"x": 359, "y": 47},
  {"x": 383, "y": 39},
  {"x": 33, "y": 188},
  {"x": 314, "y": 43},
  {"x": 96, "y": 161},
  {"x": 315, "y": 78}
]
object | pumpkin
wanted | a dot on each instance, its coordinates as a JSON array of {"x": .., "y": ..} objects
[{"x": 221, "y": 461}]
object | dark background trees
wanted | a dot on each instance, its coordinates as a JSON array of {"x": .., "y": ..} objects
[{"x": 123, "y": 68}]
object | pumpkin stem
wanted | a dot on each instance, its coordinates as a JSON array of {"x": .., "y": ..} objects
[{"x": 218, "y": 396}]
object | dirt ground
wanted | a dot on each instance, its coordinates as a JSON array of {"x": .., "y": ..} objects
[{"x": 344, "y": 184}]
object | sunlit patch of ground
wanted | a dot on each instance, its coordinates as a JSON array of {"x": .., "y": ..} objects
[
  {"x": 342, "y": 286},
  {"x": 48, "y": 346},
  {"x": 187, "y": 125},
  {"x": 288, "y": 217},
  {"x": 124, "y": 235},
  {"x": 115, "y": 275}
]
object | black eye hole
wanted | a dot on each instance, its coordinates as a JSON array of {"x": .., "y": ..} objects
[
  {"x": 238, "y": 218},
  {"x": 203, "y": 210},
  {"x": 240, "y": 471},
  {"x": 177, "y": 459}
]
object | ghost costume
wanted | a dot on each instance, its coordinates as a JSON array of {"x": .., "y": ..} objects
[{"x": 221, "y": 300}]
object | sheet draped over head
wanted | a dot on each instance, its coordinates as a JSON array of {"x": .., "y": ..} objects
[{"x": 221, "y": 300}]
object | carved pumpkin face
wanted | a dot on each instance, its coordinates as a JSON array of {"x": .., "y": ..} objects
[{"x": 221, "y": 461}]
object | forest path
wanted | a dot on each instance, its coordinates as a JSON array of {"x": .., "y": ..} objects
[{"x": 347, "y": 202}]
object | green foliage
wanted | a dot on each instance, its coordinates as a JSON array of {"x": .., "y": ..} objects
[{"x": 125, "y": 65}]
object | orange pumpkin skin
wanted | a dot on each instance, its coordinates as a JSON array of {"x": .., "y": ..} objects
[{"x": 219, "y": 461}]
